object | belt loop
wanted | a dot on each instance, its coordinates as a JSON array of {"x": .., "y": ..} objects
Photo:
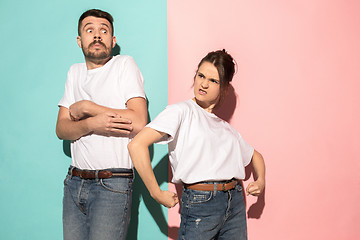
[
  {"x": 97, "y": 175},
  {"x": 71, "y": 171},
  {"x": 215, "y": 188}
]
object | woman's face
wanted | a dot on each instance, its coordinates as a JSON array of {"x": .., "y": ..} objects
[{"x": 207, "y": 86}]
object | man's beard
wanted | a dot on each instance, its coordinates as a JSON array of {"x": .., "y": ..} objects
[{"x": 97, "y": 55}]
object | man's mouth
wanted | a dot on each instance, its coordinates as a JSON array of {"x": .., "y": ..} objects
[{"x": 97, "y": 44}]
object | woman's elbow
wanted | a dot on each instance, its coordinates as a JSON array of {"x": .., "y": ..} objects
[{"x": 131, "y": 146}]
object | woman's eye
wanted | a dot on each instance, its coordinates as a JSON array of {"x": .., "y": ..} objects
[
  {"x": 214, "y": 81},
  {"x": 201, "y": 76}
]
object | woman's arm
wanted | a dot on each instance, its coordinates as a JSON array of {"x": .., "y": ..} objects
[
  {"x": 139, "y": 152},
  {"x": 257, "y": 187}
]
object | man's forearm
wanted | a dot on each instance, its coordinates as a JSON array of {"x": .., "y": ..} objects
[
  {"x": 136, "y": 112},
  {"x": 67, "y": 129}
]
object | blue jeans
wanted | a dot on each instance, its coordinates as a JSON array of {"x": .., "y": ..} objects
[
  {"x": 213, "y": 215},
  {"x": 95, "y": 209}
]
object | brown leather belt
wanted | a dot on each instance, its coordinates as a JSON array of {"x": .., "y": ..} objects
[
  {"x": 210, "y": 187},
  {"x": 91, "y": 174}
]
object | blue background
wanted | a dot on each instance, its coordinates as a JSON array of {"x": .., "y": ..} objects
[{"x": 38, "y": 45}]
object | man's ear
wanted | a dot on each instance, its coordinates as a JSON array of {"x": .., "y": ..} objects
[
  {"x": 113, "y": 41},
  {"x": 78, "y": 40}
]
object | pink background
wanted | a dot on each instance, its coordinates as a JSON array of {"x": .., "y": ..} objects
[{"x": 297, "y": 103}]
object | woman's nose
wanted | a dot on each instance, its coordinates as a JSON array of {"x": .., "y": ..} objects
[{"x": 205, "y": 84}]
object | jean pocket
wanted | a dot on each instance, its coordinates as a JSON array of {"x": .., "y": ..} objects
[
  {"x": 196, "y": 197},
  {"x": 117, "y": 185},
  {"x": 66, "y": 180}
]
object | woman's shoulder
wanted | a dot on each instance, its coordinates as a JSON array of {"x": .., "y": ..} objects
[{"x": 184, "y": 105}]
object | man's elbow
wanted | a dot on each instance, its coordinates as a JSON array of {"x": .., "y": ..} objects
[
  {"x": 139, "y": 126},
  {"x": 59, "y": 134}
]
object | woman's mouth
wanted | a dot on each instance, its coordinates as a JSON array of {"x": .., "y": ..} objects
[{"x": 202, "y": 92}]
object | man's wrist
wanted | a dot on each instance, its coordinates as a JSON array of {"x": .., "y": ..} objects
[
  {"x": 87, "y": 125},
  {"x": 91, "y": 109}
]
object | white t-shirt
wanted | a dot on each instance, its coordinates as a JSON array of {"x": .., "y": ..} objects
[
  {"x": 202, "y": 147},
  {"x": 111, "y": 85}
]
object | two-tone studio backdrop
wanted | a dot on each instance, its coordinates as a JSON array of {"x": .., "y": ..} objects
[{"x": 294, "y": 98}]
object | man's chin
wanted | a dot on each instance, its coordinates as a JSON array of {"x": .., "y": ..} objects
[{"x": 98, "y": 56}]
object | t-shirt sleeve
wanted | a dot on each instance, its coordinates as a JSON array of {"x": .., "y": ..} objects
[
  {"x": 68, "y": 97},
  {"x": 247, "y": 151},
  {"x": 168, "y": 122},
  {"x": 134, "y": 81}
]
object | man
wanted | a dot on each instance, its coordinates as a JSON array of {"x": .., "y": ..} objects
[{"x": 103, "y": 106}]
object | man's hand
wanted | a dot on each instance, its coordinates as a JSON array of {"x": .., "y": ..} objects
[
  {"x": 78, "y": 110},
  {"x": 110, "y": 124},
  {"x": 166, "y": 198}
]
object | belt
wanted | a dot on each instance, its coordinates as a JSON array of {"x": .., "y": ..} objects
[
  {"x": 210, "y": 187},
  {"x": 91, "y": 174}
]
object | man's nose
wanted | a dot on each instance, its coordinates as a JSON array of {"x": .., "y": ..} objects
[{"x": 97, "y": 37}]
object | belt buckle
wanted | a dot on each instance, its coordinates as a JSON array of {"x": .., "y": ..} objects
[{"x": 224, "y": 187}]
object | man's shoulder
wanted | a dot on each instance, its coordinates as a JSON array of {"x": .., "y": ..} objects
[
  {"x": 77, "y": 66},
  {"x": 122, "y": 58}
]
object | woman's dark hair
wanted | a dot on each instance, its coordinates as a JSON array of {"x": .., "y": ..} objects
[
  {"x": 99, "y": 14},
  {"x": 225, "y": 66}
]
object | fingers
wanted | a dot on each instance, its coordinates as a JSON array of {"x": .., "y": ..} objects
[
  {"x": 75, "y": 112},
  {"x": 111, "y": 124},
  {"x": 118, "y": 126},
  {"x": 121, "y": 128},
  {"x": 169, "y": 199},
  {"x": 72, "y": 117},
  {"x": 253, "y": 189},
  {"x": 118, "y": 119}
]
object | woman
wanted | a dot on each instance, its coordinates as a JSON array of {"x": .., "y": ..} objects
[{"x": 206, "y": 154}]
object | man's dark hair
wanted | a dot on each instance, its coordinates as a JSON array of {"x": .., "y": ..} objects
[{"x": 99, "y": 14}]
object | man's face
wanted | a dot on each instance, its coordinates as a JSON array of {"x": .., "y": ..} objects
[{"x": 96, "y": 39}]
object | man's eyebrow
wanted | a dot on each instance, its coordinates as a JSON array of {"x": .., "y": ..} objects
[
  {"x": 105, "y": 25},
  {"x": 93, "y": 23},
  {"x": 87, "y": 24}
]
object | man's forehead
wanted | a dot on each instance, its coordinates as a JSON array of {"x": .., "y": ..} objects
[{"x": 95, "y": 20}]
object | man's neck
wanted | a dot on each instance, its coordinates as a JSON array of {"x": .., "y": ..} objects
[{"x": 96, "y": 63}]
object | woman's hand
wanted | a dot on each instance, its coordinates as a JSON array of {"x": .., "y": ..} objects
[
  {"x": 166, "y": 198},
  {"x": 255, "y": 188}
]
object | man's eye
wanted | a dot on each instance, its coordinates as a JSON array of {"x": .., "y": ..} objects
[
  {"x": 89, "y": 30},
  {"x": 200, "y": 75},
  {"x": 104, "y": 31}
]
